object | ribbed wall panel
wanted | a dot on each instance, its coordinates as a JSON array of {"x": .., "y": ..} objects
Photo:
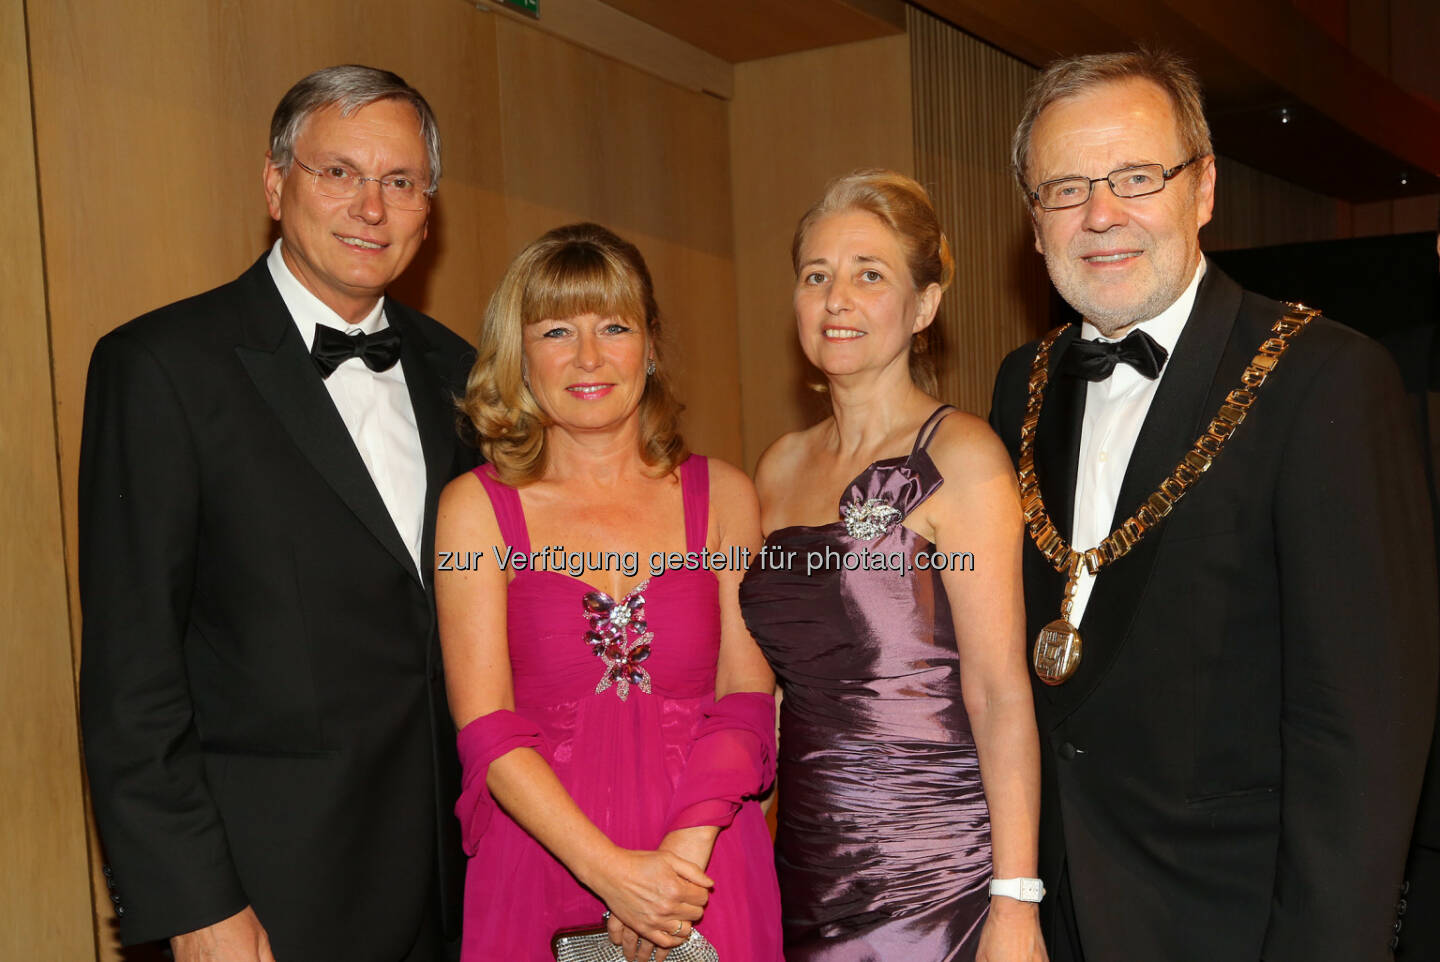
[
  {"x": 1256, "y": 209},
  {"x": 966, "y": 99}
]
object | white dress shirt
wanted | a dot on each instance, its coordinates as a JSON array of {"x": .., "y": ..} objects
[
  {"x": 375, "y": 406},
  {"x": 1115, "y": 409}
]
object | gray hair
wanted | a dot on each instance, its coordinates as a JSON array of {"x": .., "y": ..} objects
[
  {"x": 1076, "y": 75},
  {"x": 349, "y": 87}
]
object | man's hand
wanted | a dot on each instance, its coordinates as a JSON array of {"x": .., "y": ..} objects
[{"x": 240, "y": 938}]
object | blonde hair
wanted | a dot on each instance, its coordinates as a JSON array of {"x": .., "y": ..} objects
[
  {"x": 571, "y": 270},
  {"x": 904, "y": 206}
]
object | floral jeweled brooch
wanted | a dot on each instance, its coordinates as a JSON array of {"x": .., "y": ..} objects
[
  {"x": 870, "y": 519},
  {"x": 620, "y": 638}
]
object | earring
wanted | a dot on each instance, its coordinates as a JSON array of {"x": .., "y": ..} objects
[
  {"x": 525, "y": 379},
  {"x": 650, "y": 368}
]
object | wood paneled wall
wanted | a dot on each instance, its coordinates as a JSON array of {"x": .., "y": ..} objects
[
  {"x": 968, "y": 97},
  {"x": 1255, "y": 209},
  {"x": 44, "y": 891},
  {"x": 587, "y": 138},
  {"x": 798, "y": 121}
]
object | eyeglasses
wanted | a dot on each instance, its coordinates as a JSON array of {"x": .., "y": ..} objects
[
  {"x": 339, "y": 181},
  {"x": 1126, "y": 182}
]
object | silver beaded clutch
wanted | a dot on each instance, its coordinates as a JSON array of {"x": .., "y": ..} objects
[{"x": 592, "y": 944}]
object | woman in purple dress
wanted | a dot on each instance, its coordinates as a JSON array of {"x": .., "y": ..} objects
[
  {"x": 888, "y": 601},
  {"x": 616, "y": 719}
]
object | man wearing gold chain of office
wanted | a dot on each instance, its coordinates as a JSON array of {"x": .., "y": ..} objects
[{"x": 1229, "y": 577}]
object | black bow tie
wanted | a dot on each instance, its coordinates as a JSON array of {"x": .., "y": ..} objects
[
  {"x": 1095, "y": 360},
  {"x": 332, "y": 348}
]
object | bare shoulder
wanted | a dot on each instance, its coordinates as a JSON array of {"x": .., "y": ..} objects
[
  {"x": 464, "y": 490},
  {"x": 980, "y": 499},
  {"x": 465, "y": 506},
  {"x": 967, "y": 451},
  {"x": 734, "y": 506},
  {"x": 729, "y": 483}
]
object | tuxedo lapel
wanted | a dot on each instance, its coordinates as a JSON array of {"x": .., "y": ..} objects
[
  {"x": 1057, "y": 438},
  {"x": 280, "y": 367},
  {"x": 435, "y": 414},
  {"x": 1187, "y": 398}
]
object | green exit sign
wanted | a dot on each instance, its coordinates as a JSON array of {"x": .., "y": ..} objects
[{"x": 530, "y": 7}]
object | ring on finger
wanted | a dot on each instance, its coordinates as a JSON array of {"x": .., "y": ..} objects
[{"x": 679, "y": 927}]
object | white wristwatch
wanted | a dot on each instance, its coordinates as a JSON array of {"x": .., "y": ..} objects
[{"x": 1023, "y": 889}]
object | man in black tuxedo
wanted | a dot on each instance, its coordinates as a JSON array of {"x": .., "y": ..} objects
[
  {"x": 1232, "y": 768},
  {"x": 270, "y": 753}
]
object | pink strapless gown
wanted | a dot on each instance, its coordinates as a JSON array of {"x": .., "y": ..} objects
[{"x": 620, "y": 760}]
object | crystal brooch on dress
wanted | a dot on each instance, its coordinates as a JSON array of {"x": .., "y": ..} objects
[
  {"x": 870, "y": 519},
  {"x": 620, "y": 638}
]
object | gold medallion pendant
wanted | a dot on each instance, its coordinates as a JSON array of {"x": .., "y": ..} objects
[
  {"x": 1057, "y": 652},
  {"x": 1057, "y": 647}
]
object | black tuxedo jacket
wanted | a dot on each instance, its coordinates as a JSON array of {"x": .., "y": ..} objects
[
  {"x": 1417, "y": 351},
  {"x": 1232, "y": 772},
  {"x": 262, "y": 701}
]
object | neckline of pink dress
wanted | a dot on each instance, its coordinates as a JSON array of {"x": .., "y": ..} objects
[{"x": 510, "y": 515}]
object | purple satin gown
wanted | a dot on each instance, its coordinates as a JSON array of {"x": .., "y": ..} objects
[{"x": 883, "y": 849}]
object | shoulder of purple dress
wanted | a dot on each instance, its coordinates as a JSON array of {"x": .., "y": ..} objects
[{"x": 886, "y": 492}]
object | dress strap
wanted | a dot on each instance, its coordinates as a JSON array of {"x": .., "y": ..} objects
[
  {"x": 928, "y": 429},
  {"x": 508, "y": 512},
  {"x": 695, "y": 495}
]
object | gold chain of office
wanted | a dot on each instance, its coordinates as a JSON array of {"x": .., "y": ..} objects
[{"x": 1057, "y": 648}]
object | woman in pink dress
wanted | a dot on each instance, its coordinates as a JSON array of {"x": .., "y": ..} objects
[{"x": 616, "y": 718}]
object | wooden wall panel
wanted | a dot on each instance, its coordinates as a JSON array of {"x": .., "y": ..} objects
[
  {"x": 796, "y": 122},
  {"x": 1256, "y": 209},
  {"x": 589, "y": 138},
  {"x": 44, "y": 888},
  {"x": 1394, "y": 216},
  {"x": 968, "y": 97}
]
